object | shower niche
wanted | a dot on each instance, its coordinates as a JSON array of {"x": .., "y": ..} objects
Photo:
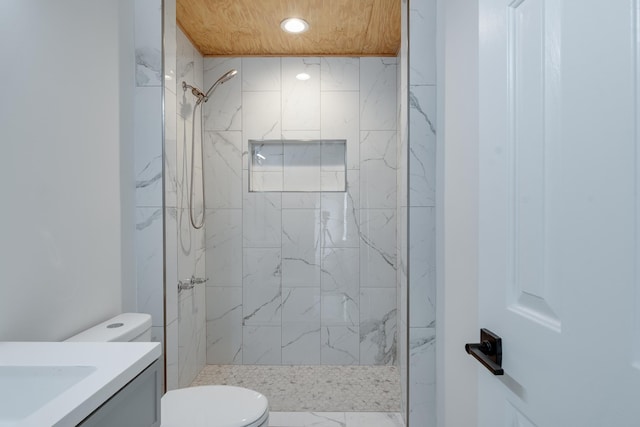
[{"x": 298, "y": 165}]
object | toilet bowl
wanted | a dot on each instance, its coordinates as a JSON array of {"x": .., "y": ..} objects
[{"x": 204, "y": 406}]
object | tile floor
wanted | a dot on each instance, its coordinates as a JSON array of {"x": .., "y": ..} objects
[
  {"x": 335, "y": 419},
  {"x": 318, "y": 396},
  {"x": 314, "y": 389}
]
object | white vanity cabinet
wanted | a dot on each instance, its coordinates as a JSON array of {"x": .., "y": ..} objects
[{"x": 136, "y": 405}]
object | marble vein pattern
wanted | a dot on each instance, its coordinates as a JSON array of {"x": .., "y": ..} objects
[
  {"x": 422, "y": 353},
  {"x": 261, "y": 345},
  {"x": 326, "y": 247},
  {"x": 339, "y": 284},
  {"x": 378, "y": 169},
  {"x": 148, "y": 42},
  {"x": 422, "y": 254},
  {"x": 340, "y": 345},
  {"x": 224, "y": 324},
  {"x": 223, "y": 169},
  {"x": 300, "y": 247},
  {"x": 148, "y": 146},
  {"x": 378, "y": 336},
  {"x": 423, "y": 54},
  {"x": 377, "y": 248},
  {"x": 223, "y": 111},
  {"x": 340, "y": 215},
  {"x": 262, "y": 279},
  {"x": 378, "y": 93},
  {"x": 300, "y": 98},
  {"x": 149, "y": 262},
  {"x": 335, "y": 419},
  {"x": 422, "y": 149},
  {"x": 314, "y": 388},
  {"x": 224, "y": 247},
  {"x": 339, "y": 74}
]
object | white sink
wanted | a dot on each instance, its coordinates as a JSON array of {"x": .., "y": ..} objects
[
  {"x": 25, "y": 389},
  {"x": 61, "y": 383}
]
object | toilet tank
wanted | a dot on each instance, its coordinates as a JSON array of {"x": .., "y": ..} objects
[{"x": 123, "y": 327}]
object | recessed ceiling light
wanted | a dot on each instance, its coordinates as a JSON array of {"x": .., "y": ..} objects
[
  {"x": 294, "y": 25},
  {"x": 303, "y": 76}
]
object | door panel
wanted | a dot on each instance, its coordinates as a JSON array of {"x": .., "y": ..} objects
[{"x": 559, "y": 212}]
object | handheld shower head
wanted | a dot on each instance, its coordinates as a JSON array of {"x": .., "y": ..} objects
[{"x": 224, "y": 78}]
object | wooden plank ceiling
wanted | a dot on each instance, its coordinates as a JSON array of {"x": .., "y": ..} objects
[{"x": 252, "y": 27}]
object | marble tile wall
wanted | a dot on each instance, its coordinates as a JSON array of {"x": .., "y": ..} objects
[
  {"x": 185, "y": 253},
  {"x": 421, "y": 212},
  {"x": 302, "y": 277},
  {"x": 148, "y": 162}
]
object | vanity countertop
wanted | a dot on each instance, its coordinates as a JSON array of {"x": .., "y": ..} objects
[{"x": 61, "y": 383}]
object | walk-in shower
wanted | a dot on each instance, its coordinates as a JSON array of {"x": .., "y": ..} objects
[{"x": 202, "y": 97}]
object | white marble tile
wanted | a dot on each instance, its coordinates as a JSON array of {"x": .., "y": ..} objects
[
  {"x": 307, "y": 419},
  {"x": 301, "y": 200},
  {"x": 339, "y": 345},
  {"x": 171, "y": 356},
  {"x": 266, "y": 181},
  {"x": 261, "y": 74},
  {"x": 170, "y": 150},
  {"x": 339, "y": 73},
  {"x": 378, "y": 327},
  {"x": 340, "y": 215},
  {"x": 223, "y": 169},
  {"x": 190, "y": 249},
  {"x": 378, "y": 169},
  {"x": 422, "y": 394},
  {"x": 149, "y": 260},
  {"x": 340, "y": 119},
  {"x": 224, "y": 247},
  {"x": 223, "y": 111},
  {"x": 378, "y": 93},
  {"x": 261, "y": 118},
  {"x": 301, "y": 343},
  {"x": 301, "y": 247},
  {"x": 148, "y": 146},
  {"x": 183, "y": 162},
  {"x": 198, "y": 69},
  {"x": 339, "y": 284},
  {"x": 224, "y": 325},
  {"x": 191, "y": 336},
  {"x": 148, "y": 41},
  {"x": 422, "y": 145},
  {"x": 261, "y": 219},
  {"x": 422, "y": 269},
  {"x": 171, "y": 265},
  {"x": 170, "y": 44},
  {"x": 423, "y": 54},
  {"x": 261, "y": 345},
  {"x": 377, "y": 248},
  {"x": 300, "y": 98},
  {"x": 301, "y": 305},
  {"x": 262, "y": 296},
  {"x": 185, "y": 73},
  {"x": 301, "y": 166},
  {"x": 377, "y": 419}
]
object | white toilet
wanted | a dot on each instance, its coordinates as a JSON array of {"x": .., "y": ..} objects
[{"x": 205, "y": 406}]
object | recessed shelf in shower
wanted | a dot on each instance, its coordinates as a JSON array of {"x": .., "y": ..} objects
[{"x": 298, "y": 165}]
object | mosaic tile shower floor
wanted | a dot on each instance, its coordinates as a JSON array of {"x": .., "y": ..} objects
[{"x": 313, "y": 388}]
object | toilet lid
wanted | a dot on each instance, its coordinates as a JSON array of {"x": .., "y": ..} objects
[{"x": 214, "y": 406}]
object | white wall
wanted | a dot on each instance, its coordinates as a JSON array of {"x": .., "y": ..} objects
[
  {"x": 64, "y": 206},
  {"x": 457, "y": 228}
]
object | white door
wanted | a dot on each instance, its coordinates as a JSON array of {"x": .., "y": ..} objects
[{"x": 559, "y": 207}]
